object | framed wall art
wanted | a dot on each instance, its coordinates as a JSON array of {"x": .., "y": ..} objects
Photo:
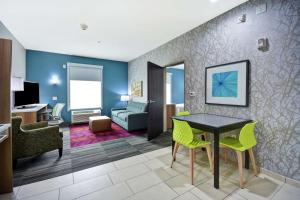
[
  {"x": 137, "y": 88},
  {"x": 228, "y": 84}
]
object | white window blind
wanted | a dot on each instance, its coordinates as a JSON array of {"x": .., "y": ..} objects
[{"x": 84, "y": 86}]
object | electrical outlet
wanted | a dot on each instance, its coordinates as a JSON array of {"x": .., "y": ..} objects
[
  {"x": 54, "y": 98},
  {"x": 261, "y": 8}
]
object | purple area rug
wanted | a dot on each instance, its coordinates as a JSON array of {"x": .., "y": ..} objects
[{"x": 81, "y": 135}]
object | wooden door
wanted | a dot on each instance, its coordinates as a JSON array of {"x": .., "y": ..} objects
[{"x": 155, "y": 99}]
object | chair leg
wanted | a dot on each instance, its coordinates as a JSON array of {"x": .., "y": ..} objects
[
  {"x": 240, "y": 165},
  {"x": 205, "y": 136},
  {"x": 192, "y": 165},
  {"x": 210, "y": 160},
  {"x": 225, "y": 155},
  {"x": 225, "y": 152},
  {"x": 176, "y": 147},
  {"x": 60, "y": 150},
  {"x": 253, "y": 161}
]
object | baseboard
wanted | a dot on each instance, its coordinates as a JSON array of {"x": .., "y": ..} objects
[{"x": 280, "y": 177}]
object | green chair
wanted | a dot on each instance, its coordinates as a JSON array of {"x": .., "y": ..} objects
[
  {"x": 246, "y": 141},
  {"x": 195, "y": 131},
  {"x": 183, "y": 135},
  {"x": 34, "y": 139}
]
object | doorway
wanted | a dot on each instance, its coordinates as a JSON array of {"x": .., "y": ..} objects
[{"x": 174, "y": 92}]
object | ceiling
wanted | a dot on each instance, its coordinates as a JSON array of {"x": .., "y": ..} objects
[{"x": 126, "y": 29}]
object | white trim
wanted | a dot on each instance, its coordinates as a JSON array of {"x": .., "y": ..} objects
[{"x": 68, "y": 82}]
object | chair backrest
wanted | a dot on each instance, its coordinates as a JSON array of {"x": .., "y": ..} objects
[
  {"x": 182, "y": 132},
  {"x": 137, "y": 107},
  {"x": 56, "y": 112},
  {"x": 184, "y": 113},
  {"x": 16, "y": 122},
  {"x": 247, "y": 137}
]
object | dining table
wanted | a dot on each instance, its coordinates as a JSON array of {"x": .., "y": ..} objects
[{"x": 215, "y": 125}]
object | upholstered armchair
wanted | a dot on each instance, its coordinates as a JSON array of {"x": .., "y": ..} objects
[{"x": 34, "y": 139}]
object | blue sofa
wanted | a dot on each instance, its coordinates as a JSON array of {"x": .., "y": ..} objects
[{"x": 134, "y": 117}]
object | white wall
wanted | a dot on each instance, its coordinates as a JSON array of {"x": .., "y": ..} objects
[{"x": 18, "y": 53}]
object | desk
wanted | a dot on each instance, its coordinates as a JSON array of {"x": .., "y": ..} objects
[
  {"x": 31, "y": 114},
  {"x": 4, "y": 134},
  {"x": 215, "y": 124}
]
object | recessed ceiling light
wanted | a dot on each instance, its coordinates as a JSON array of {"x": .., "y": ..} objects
[
  {"x": 84, "y": 26},
  {"x": 213, "y": 1}
]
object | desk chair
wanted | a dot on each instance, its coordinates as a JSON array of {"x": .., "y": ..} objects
[{"x": 54, "y": 115}]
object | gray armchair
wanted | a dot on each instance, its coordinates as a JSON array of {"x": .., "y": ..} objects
[{"x": 132, "y": 118}]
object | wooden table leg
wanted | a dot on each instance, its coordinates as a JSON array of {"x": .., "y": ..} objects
[
  {"x": 216, "y": 159},
  {"x": 173, "y": 142},
  {"x": 247, "y": 159}
]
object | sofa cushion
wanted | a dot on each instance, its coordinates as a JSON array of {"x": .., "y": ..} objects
[
  {"x": 137, "y": 107},
  {"x": 124, "y": 115},
  {"x": 116, "y": 112}
]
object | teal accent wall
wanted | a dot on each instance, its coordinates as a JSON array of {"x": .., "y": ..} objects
[
  {"x": 177, "y": 88},
  {"x": 41, "y": 66}
]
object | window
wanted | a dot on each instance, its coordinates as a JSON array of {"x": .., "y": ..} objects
[
  {"x": 84, "y": 86},
  {"x": 168, "y": 88}
]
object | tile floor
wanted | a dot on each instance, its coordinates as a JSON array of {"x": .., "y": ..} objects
[{"x": 148, "y": 176}]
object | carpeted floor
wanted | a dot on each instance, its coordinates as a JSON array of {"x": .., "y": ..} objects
[
  {"x": 81, "y": 135},
  {"x": 49, "y": 165}
]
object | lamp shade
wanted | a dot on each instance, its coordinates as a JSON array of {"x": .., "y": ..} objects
[
  {"x": 17, "y": 84},
  {"x": 124, "y": 97}
]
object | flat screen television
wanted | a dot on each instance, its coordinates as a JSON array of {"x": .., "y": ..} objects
[{"x": 30, "y": 95}]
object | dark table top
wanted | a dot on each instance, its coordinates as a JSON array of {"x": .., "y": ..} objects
[{"x": 211, "y": 122}]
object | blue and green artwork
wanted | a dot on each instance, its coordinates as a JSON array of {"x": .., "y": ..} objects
[{"x": 225, "y": 84}]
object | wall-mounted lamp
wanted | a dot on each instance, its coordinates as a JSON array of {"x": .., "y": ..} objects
[
  {"x": 17, "y": 84},
  {"x": 54, "y": 80}
]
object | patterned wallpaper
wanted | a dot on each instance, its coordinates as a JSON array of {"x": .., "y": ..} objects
[{"x": 275, "y": 74}]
